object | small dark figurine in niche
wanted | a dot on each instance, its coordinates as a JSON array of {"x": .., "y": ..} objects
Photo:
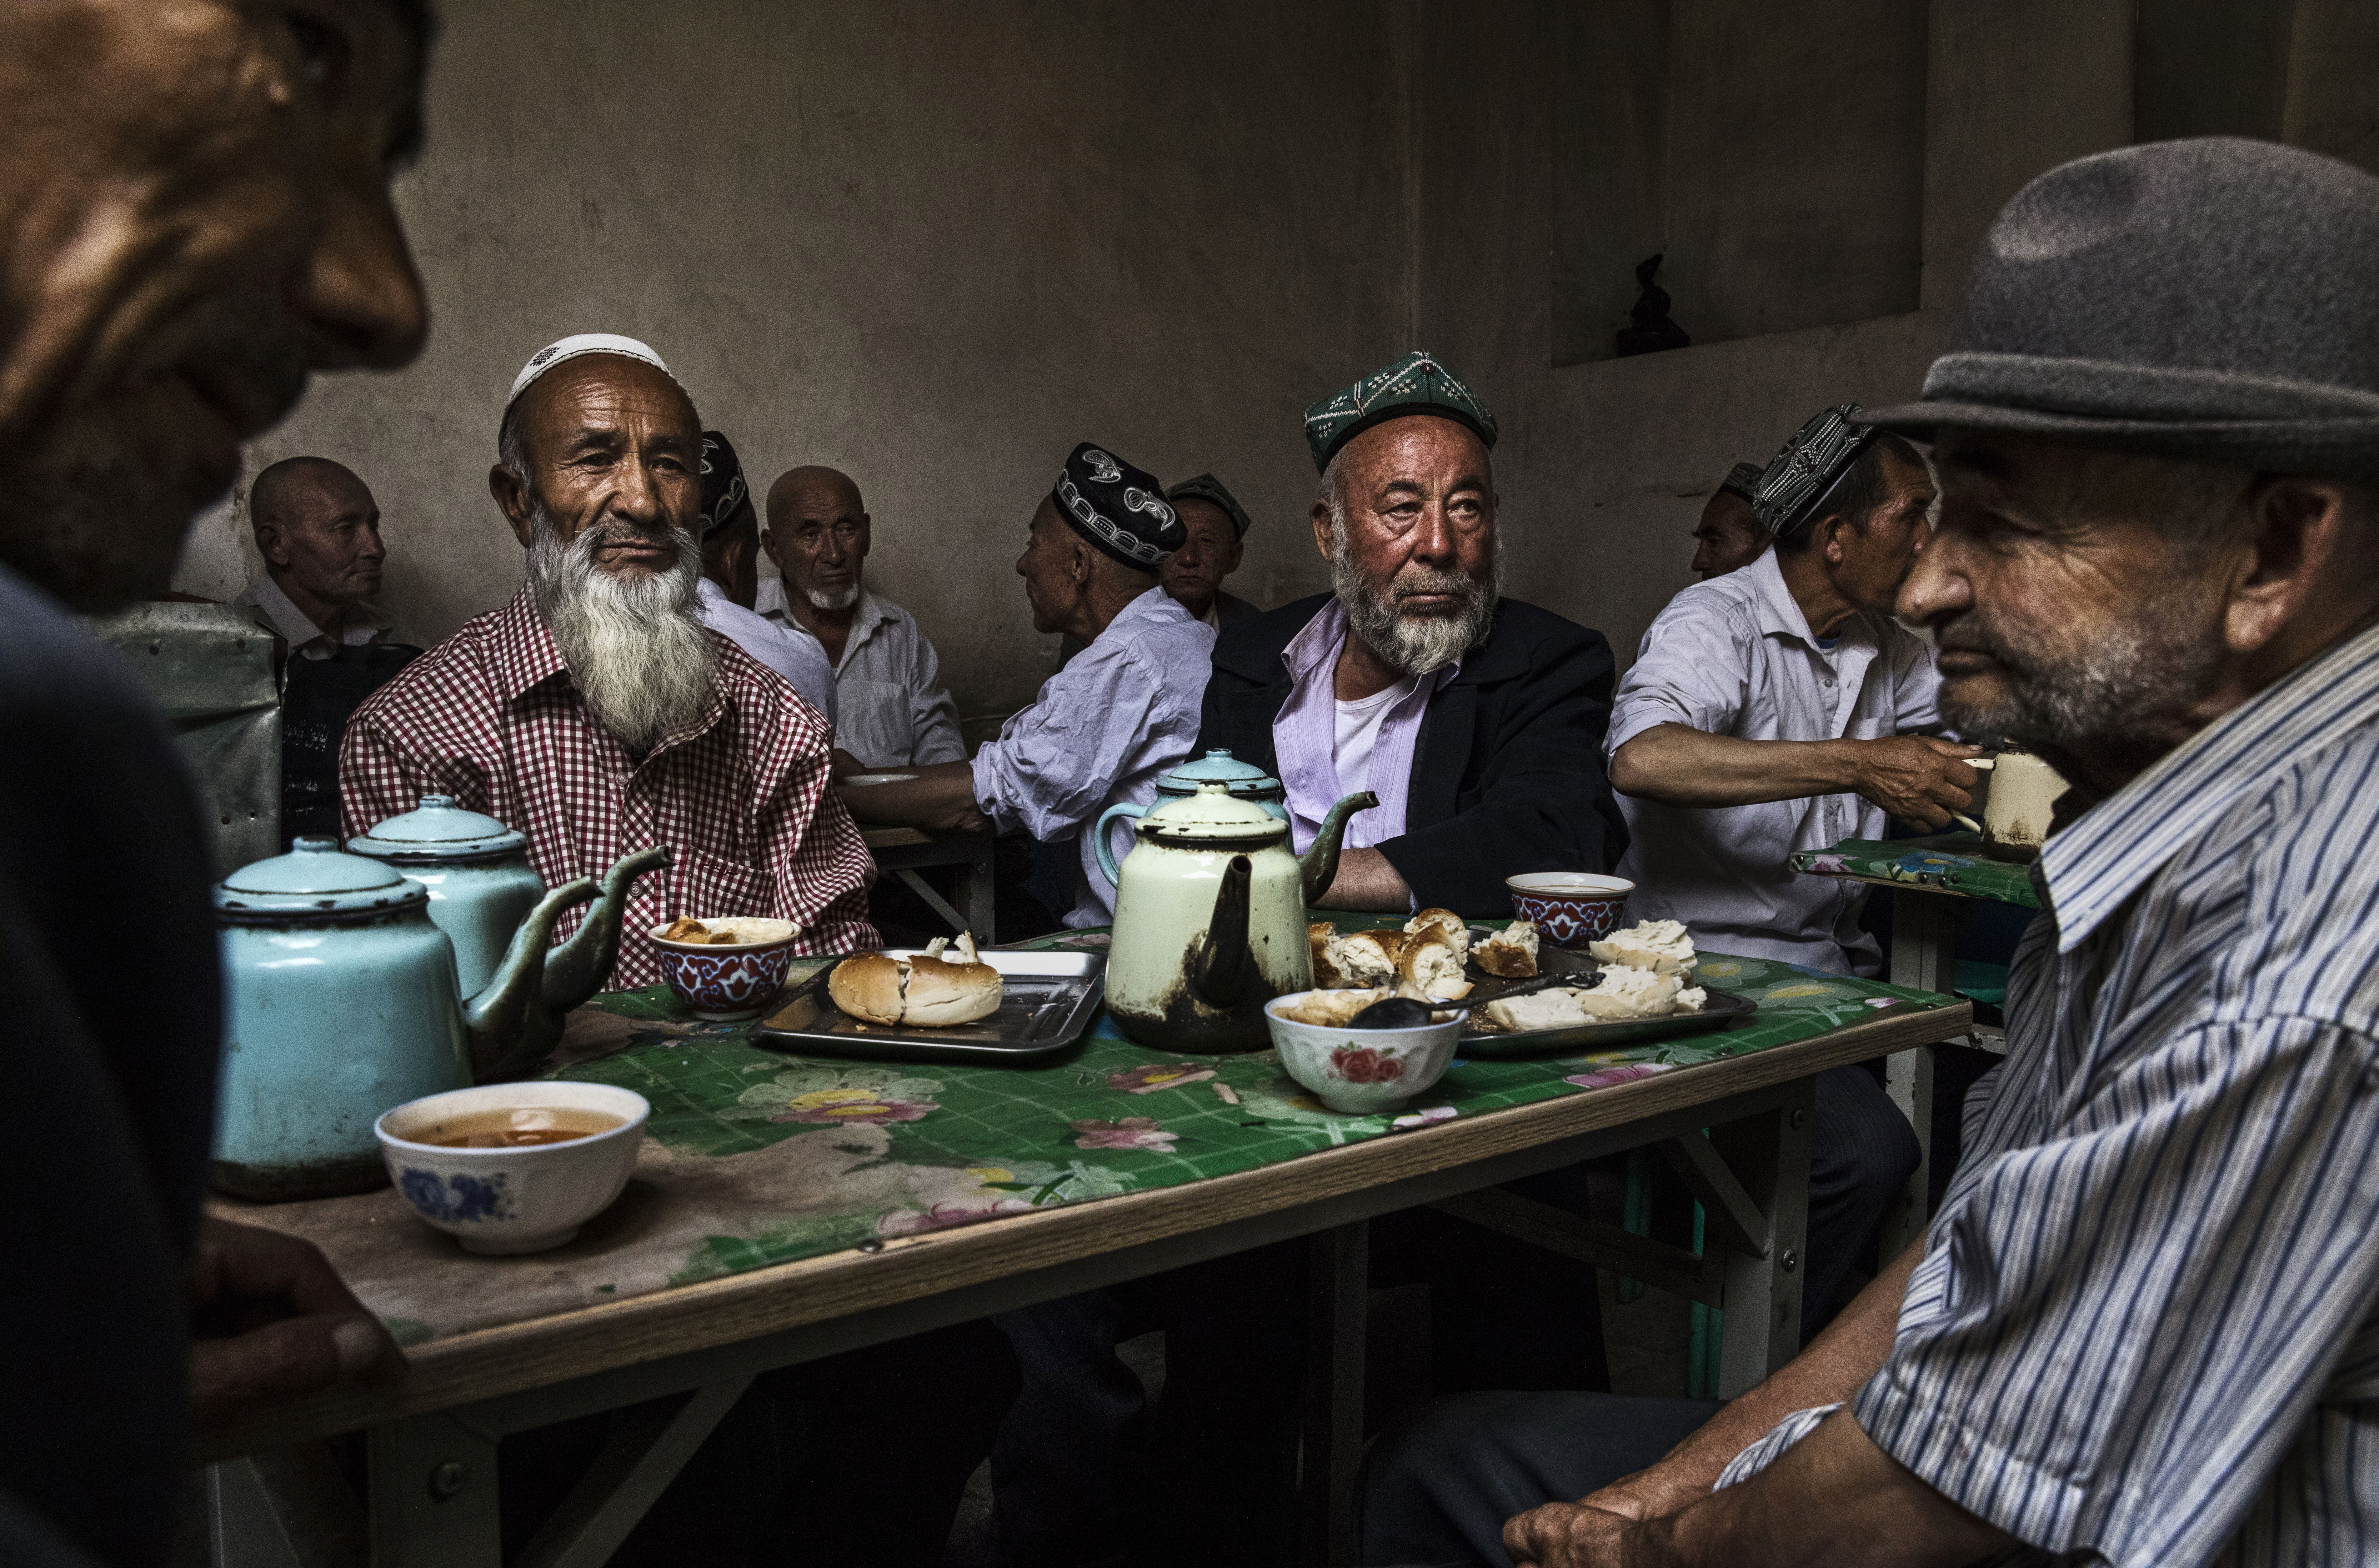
[{"x": 1653, "y": 331}]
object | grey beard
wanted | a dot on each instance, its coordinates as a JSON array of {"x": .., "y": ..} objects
[
  {"x": 842, "y": 599},
  {"x": 1414, "y": 644},
  {"x": 637, "y": 648},
  {"x": 2126, "y": 699}
]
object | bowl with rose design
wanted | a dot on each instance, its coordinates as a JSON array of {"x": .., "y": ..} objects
[
  {"x": 726, "y": 981},
  {"x": 1570, "y": 907},
  {"x": 1360, "y": 1072}
]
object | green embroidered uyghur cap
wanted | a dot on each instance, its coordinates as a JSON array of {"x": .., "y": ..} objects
[
  {"x": 1419, "y": 383},
  {"x": 1207, "y": 487}
]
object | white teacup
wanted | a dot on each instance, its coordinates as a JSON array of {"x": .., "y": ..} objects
[{"x": 515, "y": 1198}]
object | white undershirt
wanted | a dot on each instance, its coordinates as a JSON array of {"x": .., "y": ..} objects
[{"x": 1358, "y": 728}]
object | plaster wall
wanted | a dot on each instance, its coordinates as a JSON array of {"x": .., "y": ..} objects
[{"x": 933, "y": 245}]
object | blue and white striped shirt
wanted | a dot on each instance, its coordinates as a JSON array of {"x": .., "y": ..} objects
[{"x": 2146, "y": 1324}]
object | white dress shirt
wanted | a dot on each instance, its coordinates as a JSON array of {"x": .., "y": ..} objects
[
  {"x": 1123, "y": 711},
  {"x": 1735, "y": 656},
  {"x": 799, "y": 660},
  {"x": 293, "y": 626},
  {"x": 896, "y": 713}
]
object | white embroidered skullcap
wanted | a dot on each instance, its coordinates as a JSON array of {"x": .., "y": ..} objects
[{"x": 571, "y": 347}]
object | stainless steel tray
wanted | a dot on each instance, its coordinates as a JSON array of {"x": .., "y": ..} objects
[
  {"x": 1047, "y": 1001},
  {"x": 1486, "y": 1042}
]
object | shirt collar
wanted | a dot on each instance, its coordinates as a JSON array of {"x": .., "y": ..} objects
[
  {"x": 1780, "y": 612},
  {"x": 524, "y": 648},
  {"x": 1316, "y": 648},
  {"x": 294, "y": 625},
  {"x": 2107, "y": 853},
  {"x": 867, "y": 615}
]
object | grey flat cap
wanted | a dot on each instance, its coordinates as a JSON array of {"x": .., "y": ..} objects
[{"x": 2215, "y": 298}]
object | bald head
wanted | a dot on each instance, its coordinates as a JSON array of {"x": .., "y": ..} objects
[
  {"x": 318, "y": 528},
  {"x": 819, "y": 533}
]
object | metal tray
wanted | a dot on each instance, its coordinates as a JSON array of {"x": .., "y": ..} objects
[
  {"x": 1047, "y": 1001},
  {"x": 1723, "y": 1009}
]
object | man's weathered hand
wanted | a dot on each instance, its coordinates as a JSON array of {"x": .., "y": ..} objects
[
  {"x": 1916, "y": 777},
  {"x": 1566, "y": 1535},
  {"x": 1647, "y": 1494},
  {"x": 271, "y": 1318}
]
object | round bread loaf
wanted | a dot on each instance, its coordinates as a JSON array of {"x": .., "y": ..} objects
[
  {"x": 941, "y": 993},
  {"x": 867, "y": 986}
]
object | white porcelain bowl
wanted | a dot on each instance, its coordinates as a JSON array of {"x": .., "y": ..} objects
[
  {"x": 1360, "y": 1071},
  {"x": 522, "y": 1198}
]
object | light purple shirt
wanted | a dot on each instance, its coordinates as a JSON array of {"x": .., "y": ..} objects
[
  {"x": 1735, "y": 656},
  {"x": 1305, "y": 740},
  {"x": 1124, "y": 710}
]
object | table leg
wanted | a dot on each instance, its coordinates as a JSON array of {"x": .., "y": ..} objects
[
  {"x": 982, "y": 882},
  {"x": 1770, "y": 1156},
  {"x": 1339, "y": 1271},
  {"x": 433, "y": 1494},
  {"x": 1923, "y": 955},
  {"x": 244, "y": 1529}
]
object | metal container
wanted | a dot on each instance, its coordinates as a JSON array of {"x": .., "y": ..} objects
[
  {"x": 1047, "y": 1001},
  {"x": 481, "y": 883},
  {"x": 342, "y": 1003}
]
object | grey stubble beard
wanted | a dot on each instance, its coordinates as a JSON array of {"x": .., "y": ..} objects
[{"x": 1415, "y": 644}]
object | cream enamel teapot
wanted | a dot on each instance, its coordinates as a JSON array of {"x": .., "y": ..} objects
[{"x": 1209, "y": 920}]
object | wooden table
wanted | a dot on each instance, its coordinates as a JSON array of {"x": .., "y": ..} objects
[
  {"x": 905, "y": 850},
  {"x": 683, "y": 1355}
]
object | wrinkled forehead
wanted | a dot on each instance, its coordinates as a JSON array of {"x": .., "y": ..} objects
[
  {"x": 1197, "y": 514},
  {"x": 610, "y": 394},
  {"x": 1418, "y": 451}
]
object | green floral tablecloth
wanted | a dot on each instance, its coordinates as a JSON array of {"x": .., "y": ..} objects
[
  {"x": 1951, "y": 861},
  {"x": 755, "y": 1157}
]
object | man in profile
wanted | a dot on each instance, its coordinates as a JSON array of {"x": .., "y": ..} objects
[
  {"x": 145, "y": 339},
  {"x": 318, "y": 528},
  {"x": 895, "y": 711},
  {"x": 598, "y": 712},
  {"x": 1103, "y": 727},
  {"x": 1728, "y": 537}
]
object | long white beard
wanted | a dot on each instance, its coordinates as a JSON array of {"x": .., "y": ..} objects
[
  {"x": 636, "y": 645},
  {"x": 1414, "y": 644},
  {"x": 836, "y": 598}
]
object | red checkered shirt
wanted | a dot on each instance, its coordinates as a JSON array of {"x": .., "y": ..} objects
[{"x": 492, "y": 718}]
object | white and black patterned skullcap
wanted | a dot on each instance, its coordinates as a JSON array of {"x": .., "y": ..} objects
[
  {"x": 1120, "y": 509},
  {"x": 723, "y": 490},
  {"x": 571, "y": 347}
]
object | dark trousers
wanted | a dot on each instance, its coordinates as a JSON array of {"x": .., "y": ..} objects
[
  {"x": 1862, "y": 1151},
  {"x": 1437, "y": 1487},
  {"x": 860, "y": 1457}
]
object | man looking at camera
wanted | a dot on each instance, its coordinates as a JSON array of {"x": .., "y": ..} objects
[
  {"x": 598, "y": 712},
  {"x": 1477, "y": 719}
]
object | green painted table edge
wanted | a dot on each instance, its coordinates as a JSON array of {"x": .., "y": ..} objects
[{"x": 1949, "y": 862}]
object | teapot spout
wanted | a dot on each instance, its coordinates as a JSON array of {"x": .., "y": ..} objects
[
  {"x": 577, "y": 969},
  {"x": 1217, "y": 962},
  {"x": 509, "y": 1032},
  {"x": 1320, "y": 863}
]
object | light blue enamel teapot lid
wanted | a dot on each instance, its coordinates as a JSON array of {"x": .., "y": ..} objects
[
  {"x": 1218, "y": 767},
  {"x": 314, "y": 879},
  {"x": 438, "y": 830}
]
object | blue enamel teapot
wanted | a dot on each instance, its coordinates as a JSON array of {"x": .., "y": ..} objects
[{"x": 342, "y": 1001}]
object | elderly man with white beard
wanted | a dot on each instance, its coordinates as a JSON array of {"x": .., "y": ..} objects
[
  {"x": 596, "y": 712},
  {"x": 1478, "y": 720}
]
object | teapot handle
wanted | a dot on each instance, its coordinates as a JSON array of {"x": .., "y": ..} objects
[{"x": 1105, "y": 849}]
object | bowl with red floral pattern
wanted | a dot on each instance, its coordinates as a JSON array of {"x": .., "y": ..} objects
[
  {"x": 727, "y": 967},
  {"x": 1361, "y": 1072}
]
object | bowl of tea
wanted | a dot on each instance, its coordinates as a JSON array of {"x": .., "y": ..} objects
[{"x": 514, "y": 1167}]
